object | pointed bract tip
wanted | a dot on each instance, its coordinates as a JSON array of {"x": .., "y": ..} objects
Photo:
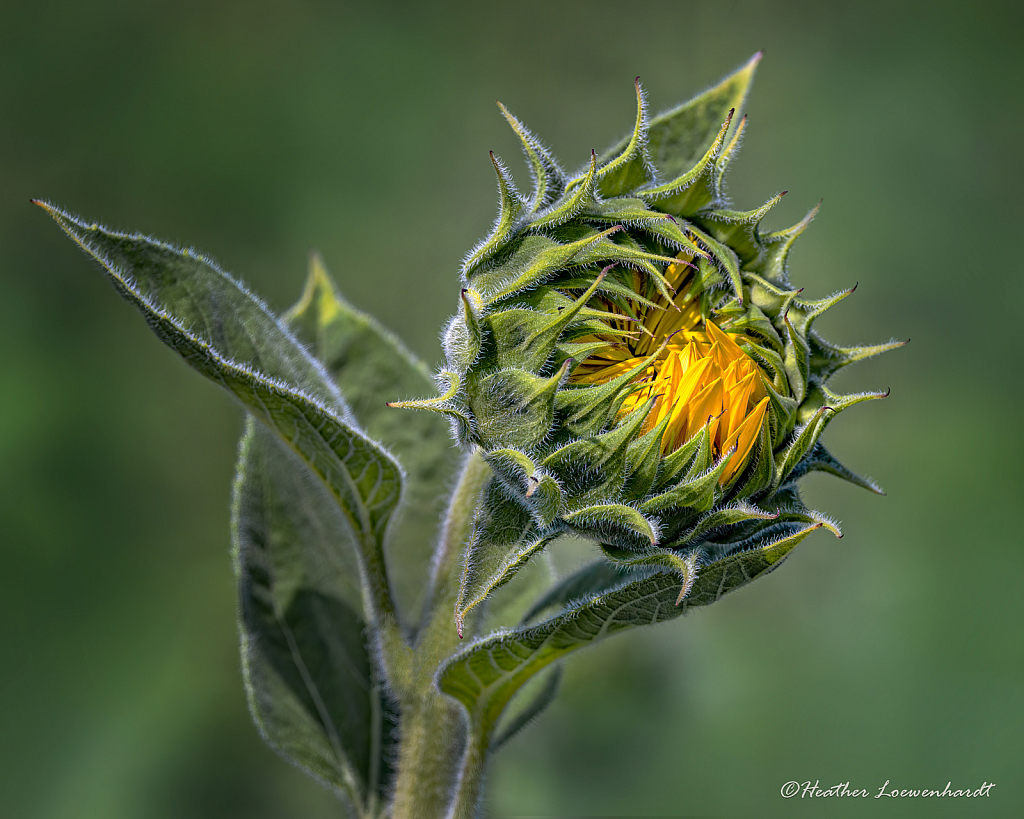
[
  {"x": 534, "y": 483},
  {"x": 757, "y": 57}
]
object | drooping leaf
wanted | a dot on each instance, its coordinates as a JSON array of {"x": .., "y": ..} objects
[
  {"x": 229, "y": 336},
  {"x": 486, "y": 674},
  {"x": 308, "y": 673}
]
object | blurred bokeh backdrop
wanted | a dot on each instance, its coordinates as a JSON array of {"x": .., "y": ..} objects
[{"x": 258, "y": 131}]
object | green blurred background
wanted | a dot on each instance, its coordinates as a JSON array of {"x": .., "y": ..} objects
[{"x": 258, "y": 131}]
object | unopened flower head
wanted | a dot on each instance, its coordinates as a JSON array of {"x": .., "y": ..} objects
[{"x": 630, "y": 354}]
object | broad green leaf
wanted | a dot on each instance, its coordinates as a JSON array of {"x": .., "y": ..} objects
[
  {"x": 229, "y": 336},
  {"x": 308, "y": 673},
  {"x": 371, "y": 367},
  {"x": 486, "y": 674},
  {"x": 677, "y": 139}
]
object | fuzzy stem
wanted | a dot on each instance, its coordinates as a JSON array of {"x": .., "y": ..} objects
[
  {"x": 457, "y": 528},
  {"x": 433, "y": 727},
  {"x": 471, "y": 778}
]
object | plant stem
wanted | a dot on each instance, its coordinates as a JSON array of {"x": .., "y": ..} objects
[
  {"x": 434, "y": 737},
  {"x": 469, "y": 788}
]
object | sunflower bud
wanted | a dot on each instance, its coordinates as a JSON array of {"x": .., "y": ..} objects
[{"x": 630, "y": 355}]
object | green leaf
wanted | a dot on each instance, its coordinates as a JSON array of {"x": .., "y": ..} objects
[
  {"x": 229, "y": 336},
  {"x": 371, "y": 367},
  {"x": 486, "y": 674},
  {"x": 307, "y": 668},
  {"x": 678, "y": 138}
]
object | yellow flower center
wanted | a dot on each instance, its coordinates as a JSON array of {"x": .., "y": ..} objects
[{"x": 702, "y": 377}]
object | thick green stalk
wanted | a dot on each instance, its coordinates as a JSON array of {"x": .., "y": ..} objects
[
  {"x": 469, "y": 788},
  {"x": 433, "y": 724}
]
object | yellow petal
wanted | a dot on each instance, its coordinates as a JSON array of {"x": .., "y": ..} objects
[{"x": 743, "y": 438}]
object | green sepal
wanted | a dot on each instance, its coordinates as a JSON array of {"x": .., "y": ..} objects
[
  {"x": 693, "y": 190},
  {"x": 796, "y": 360},
  {"x": 548, "y": 178},
  {"x": 531, "y": 260},
  {"x": 464, "y": 335},
  {"x": 510, "y": 207},
  {"x": 772, "y": 299},
  {"x": 614, "y": 523},
  {"x": 777, "y": 245},
  {"x": 629, "y": 166},
  {"x": 760, "y": 473},
  {"x": 819, "y": 459},
  {"x": 782, "y": 412},
  {"x": 754, "y": 322},
  {"x": 513, "y": 408},
  {"x": 721, "y": 518},
  {"x": 804, "y": 437},
  {"x": 803, "y": 313},
  {"x": 613, "y": 286},
  {"x": 689, "y": 460},
  {"x": 446, "y": 404},
  {"x": 827, "y": 358},
  {"x": 820, "y": 395},
  {"x": 578, "y": 194},
  {"x": 624, "y": 211},
  {"x": 643, "y": 460},
  {"x": 504, "y": 539},
  {"x": 696, "y": 491},
  {"x": 591, "y": 467},
  {"x": 771, "y": 362},
  {"x": 738, "y": 229},
  {"x": 683, "y": 564},
  {"x": 725, "y": 156},
  {"x": 585, "y": 411},
  {"x": 526, "y": 338},
  {"x": 801, "y": 514},
  {"x": 536, "y": 489},
  {"x": 486, "y": 674},
  {"x": 725, "y": 257}
]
